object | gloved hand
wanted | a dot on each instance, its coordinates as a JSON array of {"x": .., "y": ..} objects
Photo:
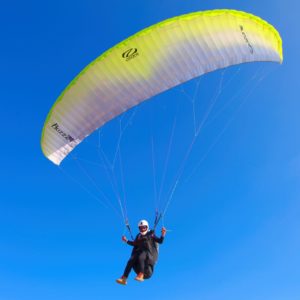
[
  {"x": 124, "y": 239},
  {"x": 163, "y": 231}
]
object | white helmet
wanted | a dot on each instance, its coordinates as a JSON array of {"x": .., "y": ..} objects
[{"x": 143, "y": 227}]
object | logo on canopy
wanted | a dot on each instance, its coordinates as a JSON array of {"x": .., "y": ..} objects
[
  {"x": 130, "y": 54},
  {"x": 246, "y": 39},
  {"x": 66, "y": 136}
]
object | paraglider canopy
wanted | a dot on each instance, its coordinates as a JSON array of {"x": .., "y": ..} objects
[{"x": 150, "y": 62}]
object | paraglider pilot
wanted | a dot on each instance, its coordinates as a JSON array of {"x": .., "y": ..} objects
[{"x": 144, "y": 253}]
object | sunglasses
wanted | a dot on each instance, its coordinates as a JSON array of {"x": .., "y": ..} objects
[{"x": 144, "y": 227}]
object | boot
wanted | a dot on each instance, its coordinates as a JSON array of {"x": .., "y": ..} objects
[
  {"x": 122, "y": 280},
  {"x": 140, "y": 277}
]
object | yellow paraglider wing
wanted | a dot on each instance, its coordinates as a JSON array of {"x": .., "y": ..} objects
[{"x": 150, "y": 62}]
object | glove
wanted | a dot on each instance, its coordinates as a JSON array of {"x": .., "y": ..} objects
[
  {"x": 124, "y": 239},
  {"x": 163, "y": 231}
]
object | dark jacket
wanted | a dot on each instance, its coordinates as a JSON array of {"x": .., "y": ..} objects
[{"x": 149, "y": 243}]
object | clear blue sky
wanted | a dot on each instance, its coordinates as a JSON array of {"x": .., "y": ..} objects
[{"x": 235, "y": 229}]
